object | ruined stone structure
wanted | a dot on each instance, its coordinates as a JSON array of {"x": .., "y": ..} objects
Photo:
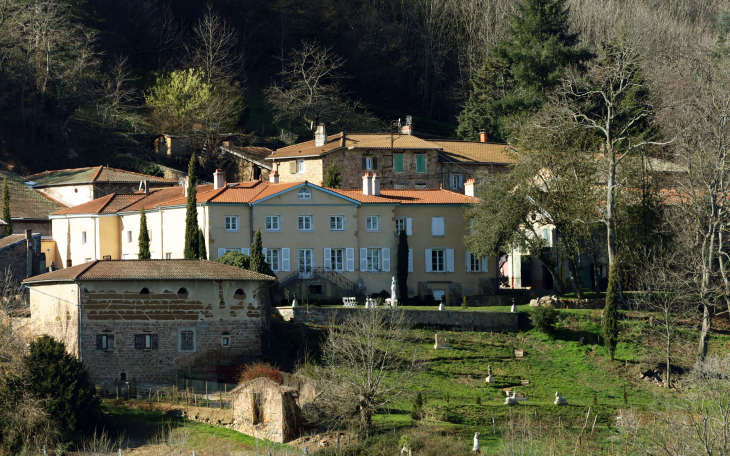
[
  {"x": 21, "y": 256},
  {"x": 142, "y": 320},
  {"x": 267, "y": 410}
]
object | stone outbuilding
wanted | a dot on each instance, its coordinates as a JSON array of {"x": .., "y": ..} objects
[
  {"x": 21, "y": 255},
  {"x": 142, "y": 321},
  {"x": 264, "y": 409}
]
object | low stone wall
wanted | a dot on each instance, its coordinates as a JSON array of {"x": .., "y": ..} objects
[{"x": 478, "y": 321}]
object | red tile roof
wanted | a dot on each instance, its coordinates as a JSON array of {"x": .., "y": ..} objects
[
  {"x": 149, "y": 270},
  {"x": 429, "y": 196}
]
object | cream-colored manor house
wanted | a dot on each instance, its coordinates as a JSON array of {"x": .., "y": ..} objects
[{"x": 351, "y": 233}]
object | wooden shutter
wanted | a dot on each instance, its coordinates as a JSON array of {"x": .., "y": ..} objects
[
  {"x": 327, "y": 258},
  {"x": 461, "y": 181},
  {"x": 138, "y": 342},
  {"x": 449, "y": 260},
  {"x": 293, "y": 167},
  {"x": 98, "y": 342},
  {"x": 409, "y": 227},
  {"x": 375, "y": 162},
  {"x": 428, "y": 260},
  {"x": 434, "y": 226},
  {"x": 467, "y": 262},
  {"x": 221, "y": 252},
  {"x": 386, "y": 260},
  {"x": 350, "y": 259},
  {"x": 364, "y": 163},
  {"x": 363, "y": 260},
  {"x": 485, "y": 264},
  {"x": 410, "y": 260},
  {"x": 155, "y": 341},
  {"x": 285, "y": 259}
]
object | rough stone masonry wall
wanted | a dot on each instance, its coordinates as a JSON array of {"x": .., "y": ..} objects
[
  {"x": 313, "y": 171},
  {"x": 15, "y": 257},
  {"x": 481, "y": 321},
  {"x": 350, "y": 162}
]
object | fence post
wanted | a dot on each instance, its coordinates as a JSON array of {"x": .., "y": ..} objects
[
  {"x": 150, "y": 398},
  {"x": 117, "y": 392},
  {"x": 206, "y": 393},
  {"x": 220, "y": 396},
  {"x": 45, "y": 450}
]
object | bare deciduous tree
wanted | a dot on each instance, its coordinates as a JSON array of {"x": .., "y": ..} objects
[
  {"x": 214, "y": 48},
  {"x": 117, "y": 98}
]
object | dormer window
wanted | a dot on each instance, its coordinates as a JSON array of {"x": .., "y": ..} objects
[{"x": 305, "y": 194}]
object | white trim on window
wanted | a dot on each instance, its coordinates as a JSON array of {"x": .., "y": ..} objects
[
  {"x": 305, "y": 223},
  {"x": 372, "y": 223},
  {"x": 232, "y": 223},
  {"x": 337, "y": 222},
  {"x": 300, "y": 166},
  {"x": 272, "y": 223}
]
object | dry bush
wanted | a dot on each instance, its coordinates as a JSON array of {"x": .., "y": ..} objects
[
  {"x": 259, "y": 369},
  {"x": 100, "y": 444}
]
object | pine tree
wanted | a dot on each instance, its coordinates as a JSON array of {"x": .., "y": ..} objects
[
  {"x": 7, "y": 230},
  {"x": 202, "y": 251},
  {"x": 610, "y": 322},
  {"x": 144, "y": 237},
  {"x": 402, "y": 268},
  {"x": 191, "y": 215},
  {"x": 332, "y": 176},
  {"x": 257, "y": 254}
]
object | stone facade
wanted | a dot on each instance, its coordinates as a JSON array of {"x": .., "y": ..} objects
[
  {"x": 313, "y": 171},
  {"x": 266, "y": 410},
  {"x": 20, "y": 252}
]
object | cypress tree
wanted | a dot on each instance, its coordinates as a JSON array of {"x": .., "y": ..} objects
[
  {"x": 257, "y": 254},
  {"x": 144, "y": 237},
  {"x": 191, "y": 215},
  {"x": 202, "y": 251},
  {"x": 402, "y": 268},
  {"x": 7, "y": 230},
  {"x": 332, "y": 176},
  {"x": 610, "y": 322}
]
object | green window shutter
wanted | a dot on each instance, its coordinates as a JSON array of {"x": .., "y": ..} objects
[
  {"x": 420, "y": 163},
  {"x": 398, "y": 163}
]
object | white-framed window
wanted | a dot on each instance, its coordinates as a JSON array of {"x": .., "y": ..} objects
[
  {"x": 337, "y": 256},
  {"x": 437, "y": 226},
  {"x": 168, "y": 256},
  {"x": 304, "y": 223},
  {"x": 337, "y": 222},
  {"x": 400, "y": 224},
  {"x": 105, "y": 342},
  {"x": 273, "y": 223},
  {"x": 147, "y": 341},
  {"x": 129, "y": 237},
  {"x": 306, "y": 259},
  {"x": 232, "y": 223},
  {"x": 372, "y": 222},
  {"x": 226, "y": 340},
  {"x": 231, "y": 249},
  {"x": 473, "y": 264},
  {"x": 186, "y": 339},
  {"x": 456, "y": 181},
  {"x": 304, "y": 193},
  {"x": 438, "y": 260},
  {"x": 273, "y": 257},
  {"x": 300, "y": 166},
  {"x": 373, "y": 260},
  {"x": 83, "y": 237}
]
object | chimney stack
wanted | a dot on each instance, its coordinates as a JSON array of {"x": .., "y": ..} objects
[
  {"x": 367, "y": 186},
  {"x": 320, "y": 136},
  {"x": 483, "y": 136},
  {"x": 407, "y": 129},
  {"x": 30, "y": 252},
  {"x": 274, "y": 177},
  {"x": 469, "y": 187},
  {"x": 219, "y": 179},
  {"x": 144, "y": 186},
  {"x": 376, "y": 184}
]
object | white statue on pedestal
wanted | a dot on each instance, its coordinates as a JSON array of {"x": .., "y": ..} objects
[
  {"x": 393, "y": 297},
  {"x": 476, "y": 444}
]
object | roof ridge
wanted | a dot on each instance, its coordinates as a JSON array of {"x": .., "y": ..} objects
[
  {"x": 101, "y": 168},
  {"x": 54, "y": 171},
  {"x": 111, "y": 197},
  {"x": 82, "y": 270}
]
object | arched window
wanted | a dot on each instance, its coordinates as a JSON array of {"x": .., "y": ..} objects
[
  {"x": 145, "y": 290},
  {"x": 239, "y": 294},
  {"x": 182, "y": 291},
  {"x": 305, "y": 194}
]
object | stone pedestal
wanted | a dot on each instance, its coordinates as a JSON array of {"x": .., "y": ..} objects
[
  {"x": 295, "y": 303},
  {"x": 442, "y": 306},
  {"x": 513, "y": 309},
  {"x": 442, "y": 342},
  {"x": 560, "y": 400},
  {"x": 490, "y": 379},
  {"x": 392, "y": 302}
]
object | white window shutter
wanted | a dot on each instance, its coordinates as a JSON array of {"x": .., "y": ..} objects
[
  {"x": 386, "y": 260},
  {"x": 467, "y": 262},
  {"x": 409, "y": 226},
  {"x": 434, "y": 226},
  {"x": 327, "y": 258},
  {"x": 410, "y": 260},
  {"x": 485, "y": 264},
  {"x": 442, "y": 227},
  {"x": 350, "y": 259},
  {"x": 221, "y": 252},
  {"x": 247, "y": 252},
  {"x": 363, "y": 259},
  {"x": 449, "y": 260},
  {"x": 428, "y": 260},
  {"x": 285, "y": 259}
]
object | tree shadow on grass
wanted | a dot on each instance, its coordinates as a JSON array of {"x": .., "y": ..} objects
[{"x": 582, "y": 337}]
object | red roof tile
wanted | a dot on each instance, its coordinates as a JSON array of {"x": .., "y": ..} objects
[{"x": 429, "y": 196}]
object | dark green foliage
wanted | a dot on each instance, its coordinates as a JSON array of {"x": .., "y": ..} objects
[
  {"x": 202, "y": 251},
  {"x": 464, "y": 303},
  {"x": 332, "y": 176},
  {"x": 479, "y": 400},
  {"x": 595, "y": 399},
  {"x": 447, "y": 397},
  {"x": 63, "y": 382},
  {"x": 417, "y": 411},
  {"x": 7, "y": 230},
  {"x": 543, "y": 318},
  {"x": 402, "y": 267},
  {"x": 144, "y": 237},
  {"x": 625, "y": 396},
  {"x": 150, "y": 169},
  {"x": 610, "y": 320},
  {"x": 257, "y": 254},
  {"x": 236, "y": 259},
  {"x": 522, "y": 69},
  {"x": 192, "y": 250}
]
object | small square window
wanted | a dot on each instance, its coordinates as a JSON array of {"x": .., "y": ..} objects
[
  {"x": 168, "y": 256},
  {"x": 273, "y": 223},
  {"x": 337, "y": 222},
  {"x": 372, "y": 222},
  {"x": 83, "y": 237},
  {"x": 305, "y": 223},
  {"x": 226, "y": 341},
  {"x": 231, "y": 223}
]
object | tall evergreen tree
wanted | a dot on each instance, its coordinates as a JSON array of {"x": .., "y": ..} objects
[
  {"x": 202, "y": 251},
  {"x": 257, "y": 253},
  {"x": 522, "y": 69},
  {"x": 332, "y": 176},
  {"x": 610, "y": 322},
  {"x": 7, "y": 230},
  {"x": 144, "y": 237},
  {"x": 402, "y": 269},
  {"x": 191, "y": 215}
]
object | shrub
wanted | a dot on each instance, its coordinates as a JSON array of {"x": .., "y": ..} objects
[
  {"x": 543, "y": 318},
  {"x": 479, "y": 400},
  {"x": 417, "y": 411},
  {"x": 259, "y": 369},
  {"x": 464, "y": 304},
  {"x": 236, "y": 259}
]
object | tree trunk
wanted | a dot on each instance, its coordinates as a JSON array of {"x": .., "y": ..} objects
[
  {"x": 610, "y": 221},
  {"x": 705, "y": 332}
]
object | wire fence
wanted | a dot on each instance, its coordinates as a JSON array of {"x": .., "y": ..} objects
[{"x": 198, "y": 394}]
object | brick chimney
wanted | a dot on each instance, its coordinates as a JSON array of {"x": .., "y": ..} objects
[
  {"x": 219, "y": 179},
  {"x": 274, "y": 177},
  {"x": 320, "y": 136},
  {"x": 367, "y": 185},
  {"x": 30, "y": 252},
  {"x": 376, "y": 184},
  {"x": 469, "y": 187},
  {"x": 407, "y": 129},
  {"x": 483, "y": 136},
  {"x": 144, "y": 186}
]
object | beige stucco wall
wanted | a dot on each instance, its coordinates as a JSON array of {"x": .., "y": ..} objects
[
  {"x": 70, "y": 195},
  {"x": 51, "y": 314}
]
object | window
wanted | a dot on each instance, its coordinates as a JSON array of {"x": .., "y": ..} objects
[
  {"x": 146, "y": 341},
  {"x": 273, "y": 223},
  {"x": 257, "y": 408},
  {"x": 231, "y": 223},
  {"x": 239, "y": 294},
  {"x": 373, "y": 260},
  {"x": 372, "y": 222},
  {"x": 398, "y": 163},
  {"x": 104, "y": 342},
  {"x": 400, "y": 186},
  {"x": 272, "y": 259},
  {"x": 168, "y": 256},
  {"x": 456, "y": 181},
  {"x": 437, "y": 226},
  {"x": 438, "y": 261},
  {"x": 305, "y": 194},
  {"x": 400, "y": 225},
  {"x": 83, "y": 237},
  {"x": 337, "y": 256},
  {"x": 337, "y": 222},
  {"x": 367, "y": 162},
  {"x": 304, "y": 223},
  {"x": 300, "y": 166},
  {"x": 306, "y": 260},
  {"x": 228, "y": 249},
  {"x": 129, "y": 237},
  {"x": 420, "y": 163},
  {"x": 123, "y": 377},
  {"x": 226, "y": 339},
  {"x": 473, "y": 264},
  {"x": 186, "y": 339},
  {"x": 144, "y": 291}
]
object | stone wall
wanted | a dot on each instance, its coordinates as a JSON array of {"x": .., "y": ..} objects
[
  {"x": 279, "y": 417},
  {"x": 15, "y": 257},
  {"x": 479, "y": 321},
  {"x": 313, "y": 171},
  {"x": 350, "y": 162}
]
